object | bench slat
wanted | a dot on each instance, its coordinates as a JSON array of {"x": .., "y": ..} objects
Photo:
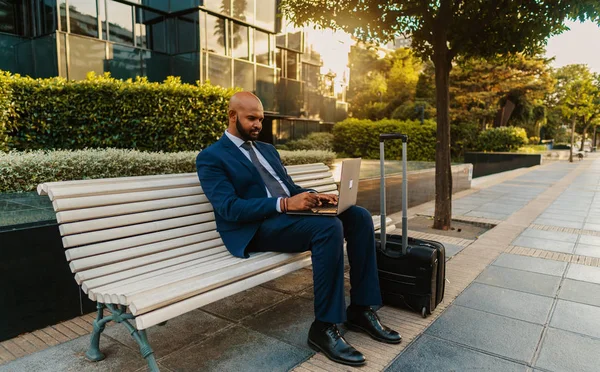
[
  {"x": 151, "y": 300},
  {"x": 136, "y": 241},
  {"x": 155, "y": 317},
  {"x": 115, "y": 199},
  {"x": 106, "y": 283},
  {"x": 311, "y": 176},
  {"x": 144, "y": 250},
  {"x": 128, "y": 273},
  {"x": 120, "y": 293},
  {"x": 97, "y": 272},
  {"x": 111, "y": 293},
  {"x": 132, "y": 219},
  {"x": 128, "y": 208},
  {"x": 122, "y": 232}
]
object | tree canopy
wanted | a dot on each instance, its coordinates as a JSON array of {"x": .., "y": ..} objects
[{"x": 440, "y": 30}]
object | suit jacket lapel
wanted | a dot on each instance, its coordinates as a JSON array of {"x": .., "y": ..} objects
[
  {"x": 237, "y": 154},
  {"x": 273, "y": 161}
]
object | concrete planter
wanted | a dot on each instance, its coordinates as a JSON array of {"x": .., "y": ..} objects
[
  {"x": 485, "y": 163},
  {"x": 421, "y": 188}
]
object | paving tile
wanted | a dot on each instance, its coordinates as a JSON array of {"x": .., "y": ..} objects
[
  {"x": 565, "y": 211},
  {"x": 591, "y": 226},
  {"x": 288, "y": 321},
  {"x": 577, "y": 291},
  {"x": 576, "y": 317},
  {"x": 540, "y": 284},
  {"x": 589, "y": 240},
  {"x": 246, "y": 303},
  {"x": 493, "y": 216},
  {"x": 70, "y": 356},
  {"x": 546, "y": 244},
  {"x": 432, "y": 354},
  {"x": 452, "y": 249},
  {"x": 507, "y": 302},
  {"x": 533, "y": 264},
  {"x": 562, "y": 217},
  {"x": 487, "y": 332},
  {"x": 238, "y": 349},
  {"x": 294, "y": 282},
  {"x": 550, "y": 235},
  {"x": 178, "y": 333},
  {"x": 584, "y": 273},
  {"x": 587, "y": 250},
  {"x": 559, "y": 223}
]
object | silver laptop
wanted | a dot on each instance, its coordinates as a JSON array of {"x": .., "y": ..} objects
[{"x": 348, "y": 192}]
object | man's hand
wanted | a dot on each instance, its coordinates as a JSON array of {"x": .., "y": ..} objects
[
  {"x": 306, "y": 200},
  {"x": 303, "y": 202},
  {"x": 328, "y": 199}
]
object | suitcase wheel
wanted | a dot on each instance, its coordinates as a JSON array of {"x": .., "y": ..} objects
[{"x": 424, "y": 312}]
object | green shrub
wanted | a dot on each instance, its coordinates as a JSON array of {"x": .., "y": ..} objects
[
  {"x": 306, "y": 157},
  {"x": 6, "y": 111},
  {"x": 23, "y": 171},
  {"x": 102, "y": 112},
  {"x": 314, "y": 141},
  {"x": 502, "y": 139},
  {"x": 360, "y": 138},
  {"x": 534, "y": 140}
]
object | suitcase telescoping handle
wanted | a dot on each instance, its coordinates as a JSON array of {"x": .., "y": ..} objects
[{"x": 382, "y": 138}]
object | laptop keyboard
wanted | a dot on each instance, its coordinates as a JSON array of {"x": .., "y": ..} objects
[{"x": 328, "y": 208}]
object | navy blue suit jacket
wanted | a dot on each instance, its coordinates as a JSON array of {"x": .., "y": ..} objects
[{"x": 237, "y": 192}]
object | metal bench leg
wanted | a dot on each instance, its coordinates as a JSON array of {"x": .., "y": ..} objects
[
  {"x": 142, "y": 340},
  {"x": 94, "y": 353}
]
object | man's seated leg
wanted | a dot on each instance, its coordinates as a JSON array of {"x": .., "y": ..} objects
[
  {"x": 365, "y": 292},
  {"x": 324, "y": 237}
]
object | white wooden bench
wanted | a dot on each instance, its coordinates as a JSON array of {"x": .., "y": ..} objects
[{"x": 146, "y": 248}]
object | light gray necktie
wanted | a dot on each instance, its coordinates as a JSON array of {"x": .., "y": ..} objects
[{"x": 274, "y": 187}]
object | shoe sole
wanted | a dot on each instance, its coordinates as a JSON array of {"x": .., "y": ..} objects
[
  {"x": 318, "y": 349},
  {"x": 356, "y": 328}
]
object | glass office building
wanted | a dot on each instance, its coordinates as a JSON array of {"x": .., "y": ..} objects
[{"x": 227, "y": 42}]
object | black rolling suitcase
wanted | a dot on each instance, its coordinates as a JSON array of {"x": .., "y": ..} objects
[{"x": 412, "y": 272}]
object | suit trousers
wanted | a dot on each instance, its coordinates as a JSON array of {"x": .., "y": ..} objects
[{"x": 324, "y": 237}]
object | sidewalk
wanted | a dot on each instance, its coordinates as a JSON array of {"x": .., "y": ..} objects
[{"x": 524, "y": 295}]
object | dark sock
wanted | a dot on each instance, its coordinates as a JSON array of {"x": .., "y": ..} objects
[{"x": 321, "y": 325}]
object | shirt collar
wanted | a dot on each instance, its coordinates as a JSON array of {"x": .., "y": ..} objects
[{"x": 236, "y": 140}]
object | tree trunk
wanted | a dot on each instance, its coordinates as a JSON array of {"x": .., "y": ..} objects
[
  {"x": 572, "y": 139},
  {"x": 583, "y": 136},
  {"x": 443, "y": 171}
]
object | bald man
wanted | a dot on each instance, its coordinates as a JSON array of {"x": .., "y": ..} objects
[{"x": 251, "y": 192}]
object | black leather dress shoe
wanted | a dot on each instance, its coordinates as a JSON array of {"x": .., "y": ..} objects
[
  {"x": 365, "y": 319},
  {"x": 328, "y": 340}
]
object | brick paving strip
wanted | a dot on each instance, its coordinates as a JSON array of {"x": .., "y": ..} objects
[{"x": 461, "y": 270}]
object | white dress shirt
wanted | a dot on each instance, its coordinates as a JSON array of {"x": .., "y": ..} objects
[{"x": 239, "y": 142}]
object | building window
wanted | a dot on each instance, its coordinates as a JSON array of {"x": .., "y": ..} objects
[
  {"x": 187, "y": 33},
  {"x": 244, "y": 75},
  {"x": 265, "y": 87},
  {"x": 86, "y": 55},
  {"x": 83, "y": 17},
  {"x": 219, "y": 70},
  {"x": 265, "y": 14},
  {"x": 262, "y": 49},
  {"x": 244, "y": 10},
  {"x": 291, "y": 65},
  {"x": 120, "y": 22},
  {"x": 215, "y": 35},
  {"x": 239, "y": 42},
  {"x": 11, "y": 14},
  {"x": 220, "y": 6},
  {"x": 294, "y": 42}
]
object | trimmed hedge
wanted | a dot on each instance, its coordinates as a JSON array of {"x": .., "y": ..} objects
[
  {"x": 502, "y": 139},
  {"x": 102, "y": 112},
  {"x": 360, "y": 138},
  {"x": 23, "y": 171},
  {"x": 314, "y": 141}
]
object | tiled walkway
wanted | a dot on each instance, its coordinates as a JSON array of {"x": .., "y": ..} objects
[{"x": 524, "y": 295}]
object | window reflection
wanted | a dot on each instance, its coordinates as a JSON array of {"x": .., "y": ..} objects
[
  {"x": 265, "y": 14},
  {"x": 215, "y": 33},
  {"x": 62, "y": 6},
  {"x": 292, "y": 65},
  {"x": 240, "y": 42},
  {"x": 244, "y": 10},
  {"x": 244, "y": 75},
  {"x": 221, "y": 6},
  {"x": 265, "y": 87},
  {"x": 219, "y": 71},
  {"x": 261, "y": 47},
  {"x": 187, "y": 33},
  {"x": 83, "y": 17},
  {"x": 120, "y": 22},
  {"x": 10, "y": 17},
  {"x": 85, "y": 55}
]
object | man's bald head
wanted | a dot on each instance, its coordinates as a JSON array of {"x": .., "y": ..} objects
[{"x": 245, "y": 116}]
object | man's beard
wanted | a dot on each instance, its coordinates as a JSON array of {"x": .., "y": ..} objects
[{"x": 246, "y": 136}]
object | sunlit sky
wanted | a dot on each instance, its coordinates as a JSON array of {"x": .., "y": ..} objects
[{"x": 579, "y": 45}]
